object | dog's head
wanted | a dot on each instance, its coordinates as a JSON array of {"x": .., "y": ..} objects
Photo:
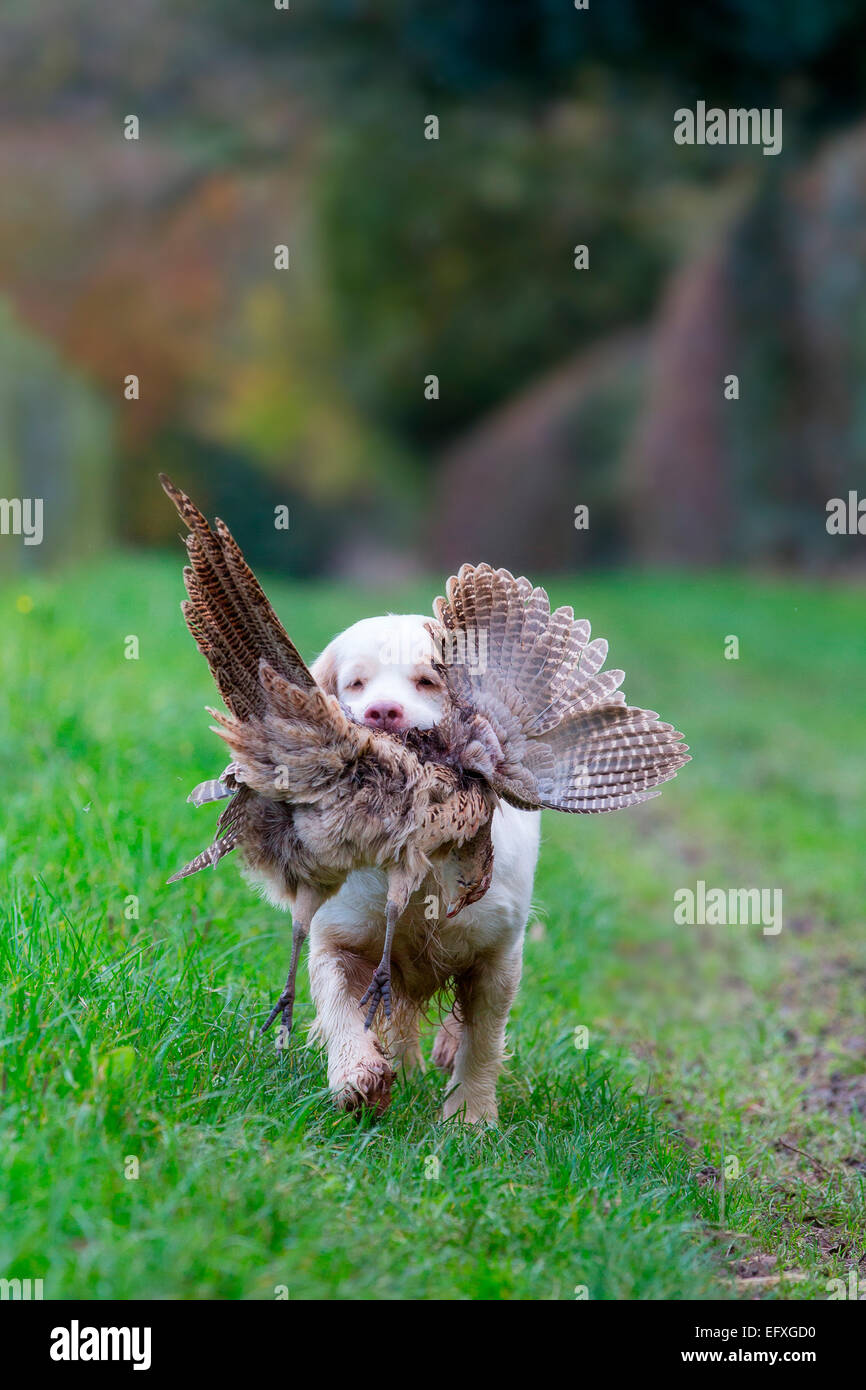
[{"x": 382, "y": 670}]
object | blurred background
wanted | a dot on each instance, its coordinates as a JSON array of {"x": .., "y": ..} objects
[{"x": 558, "y": 387}]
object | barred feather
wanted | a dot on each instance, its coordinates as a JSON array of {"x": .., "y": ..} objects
[
  {"x": 229, "y": 615},
  {"x": 566, "y": 737},
  {"x": 215, "y": 789},
  {"x": 209, "y": 858}
]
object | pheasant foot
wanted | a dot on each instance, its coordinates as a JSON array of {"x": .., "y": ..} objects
[
  {"x": 378, "y": 992},
  {"x": 286, "y": 1002},
  {"x": 284, "y": 1005}
]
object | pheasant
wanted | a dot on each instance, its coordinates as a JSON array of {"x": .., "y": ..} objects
[{"x": 314, "y": 795}]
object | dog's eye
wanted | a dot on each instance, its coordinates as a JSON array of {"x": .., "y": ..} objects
[
  {"x": 425, "y": 683},
  {"x": 356, "y": 684}
]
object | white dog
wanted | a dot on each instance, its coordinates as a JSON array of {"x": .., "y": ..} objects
[{"x": 381, "y": 670}]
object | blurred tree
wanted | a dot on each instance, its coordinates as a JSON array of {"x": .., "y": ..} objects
[
  {"x": 455, "y": 256},
  {"x": 55, "y": 444},
  {"x": 409, "y": 257},
  {"x": 732, "y": 50}
]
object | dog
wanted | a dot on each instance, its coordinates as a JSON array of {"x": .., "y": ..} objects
[{"x": 382, "y": 670}]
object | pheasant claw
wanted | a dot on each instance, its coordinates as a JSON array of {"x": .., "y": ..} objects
[
  {"x": 284, "y": 1005},
  {"x": 378, "y": 992}
]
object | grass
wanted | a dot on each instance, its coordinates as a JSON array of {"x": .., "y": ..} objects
[{"x": 153, "y": 1146}]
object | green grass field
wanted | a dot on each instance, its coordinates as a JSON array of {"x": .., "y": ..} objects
[{"x": 713, "y": 1129}]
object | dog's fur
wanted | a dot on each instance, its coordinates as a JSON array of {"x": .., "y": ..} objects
[{"x": 381, "y": 669}]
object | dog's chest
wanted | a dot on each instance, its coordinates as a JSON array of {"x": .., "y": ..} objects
[{"x": 429, "y": 948}]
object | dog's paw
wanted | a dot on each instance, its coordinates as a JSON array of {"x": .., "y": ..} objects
[
  {"x": 366, "y": 1084},
  {"x": 445, "y": 1048},
  {"x": 469, "y": 1110}
]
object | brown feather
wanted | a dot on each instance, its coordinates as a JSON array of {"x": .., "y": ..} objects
[{"x": 566, "y": 738}]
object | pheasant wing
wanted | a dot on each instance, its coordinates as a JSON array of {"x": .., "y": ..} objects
[
  {"x": 299, "y": 746},
  {"x": 296, "y": 750},
  {"x": 235, "y": 628},
  {"x": 554, "y": 727},
  {"x": 229, "y": 616}
]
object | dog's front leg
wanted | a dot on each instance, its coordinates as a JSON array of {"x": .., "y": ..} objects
[
  {"x": 359, "y": 1073},
  {"x": 484, "y": 998}
]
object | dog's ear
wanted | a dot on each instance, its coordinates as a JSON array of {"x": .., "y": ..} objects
[{"x": 324, "y": 671}]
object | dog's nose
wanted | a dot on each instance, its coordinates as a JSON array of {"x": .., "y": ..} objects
[{"x": 385, "y": 714}]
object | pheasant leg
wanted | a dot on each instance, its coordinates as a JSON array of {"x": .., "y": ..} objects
[
  {"x": 286, "y": 1002},
  {"x": 379, "y": 991}
]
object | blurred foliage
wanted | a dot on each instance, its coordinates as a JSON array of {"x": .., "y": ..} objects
[
  {"x": 55, "y": 445},
  {"x": 462, "y": 264},
  {"x": 410, "y": 257},
  {"x": 468, "y": 46}
]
